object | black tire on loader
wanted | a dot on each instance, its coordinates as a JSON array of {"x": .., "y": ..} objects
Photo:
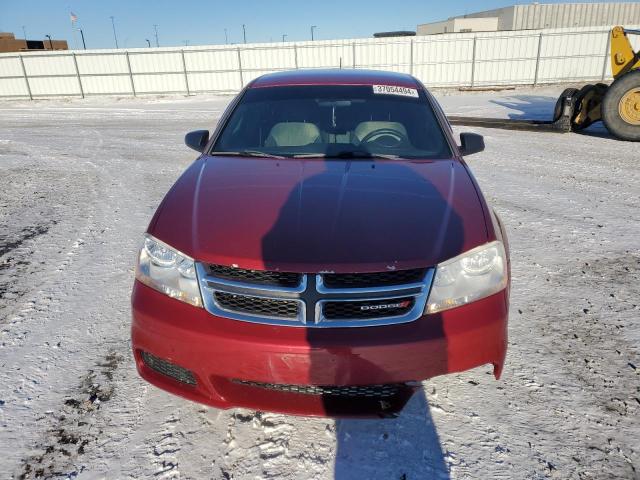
[
  {"x": 621, "y": 118},
  {"x": 588, "y": 106},
  {"x": 580, "y": 94},
  {"x": 568, "y": 92}
]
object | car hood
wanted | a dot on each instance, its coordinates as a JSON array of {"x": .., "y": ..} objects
[{"x": 315, "y": 215}]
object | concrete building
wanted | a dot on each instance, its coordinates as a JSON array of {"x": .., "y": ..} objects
[
  {"x": 459, "y": 24},
  {"x": 538, "y": 16},
  {"x": 9, "y": 43}
]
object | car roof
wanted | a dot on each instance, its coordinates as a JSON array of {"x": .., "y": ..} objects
[{"x": 335, "y": 77}]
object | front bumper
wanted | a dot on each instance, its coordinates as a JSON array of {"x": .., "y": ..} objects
[{"x": 233, "y": 361}]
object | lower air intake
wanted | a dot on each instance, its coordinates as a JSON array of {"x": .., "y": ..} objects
[
  {"x": 350, "y": 391},
  {"x": 168, "y": 369}
]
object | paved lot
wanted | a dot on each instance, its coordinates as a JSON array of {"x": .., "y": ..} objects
[{"x": 79, "y": 181}]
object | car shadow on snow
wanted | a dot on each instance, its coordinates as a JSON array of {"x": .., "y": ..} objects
[
  {"x": 328, "y": 218},
  {"x": 407, "y": 447}
]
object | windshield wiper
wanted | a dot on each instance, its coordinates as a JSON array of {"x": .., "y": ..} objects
[
  {"x": 348, "y": 154},
  {"x": 246, "y": 153},
  {"x": 342, "y": 154}
]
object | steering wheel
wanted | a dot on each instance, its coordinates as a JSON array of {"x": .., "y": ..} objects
[{"x": 385, "y": 137}]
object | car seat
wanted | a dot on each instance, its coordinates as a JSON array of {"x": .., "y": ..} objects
[{"x": 292, "y": 134}]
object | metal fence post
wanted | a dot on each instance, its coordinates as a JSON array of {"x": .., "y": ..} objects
[
  {"x": 295, "y": 55},
  {"x": 75, "y": 62},
  {"x": 411, "y": 56},
  {"x": 473, "y": 63},
  {"x": 184, "y": 68},
  {"x": 26, "y": 78},
  {"x": 353, "y": 53},
  {"x": 606, "y": 57},
  {"x": 535, "y": 76},
  {"x": 240, "y": 69},
  {"x": 133, "y": 88}
]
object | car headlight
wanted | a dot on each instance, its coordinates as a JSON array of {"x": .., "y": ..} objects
[
  {"x": 168, "y": 271},
  {"x": 466, "y": 278}
]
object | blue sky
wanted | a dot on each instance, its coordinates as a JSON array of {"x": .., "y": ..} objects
[{"x": 203, "y": 22}]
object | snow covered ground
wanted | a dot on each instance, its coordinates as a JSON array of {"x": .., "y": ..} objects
[{"x": 79, "y": 181}]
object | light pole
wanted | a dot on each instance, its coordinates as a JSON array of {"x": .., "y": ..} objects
[
  {"x": 244, "y": 33},
  {"x": 313, "y": 27},
  {"x": 50, "y": 42},
  {"x": 115, "y": 37},
  {"x": 226, "y": 37},
  {"x": 148, "y": 42},
  {"x": 24, "y": 32},
  {"x": 283, "y": 37},
  {"x": 84, "y": 45}
]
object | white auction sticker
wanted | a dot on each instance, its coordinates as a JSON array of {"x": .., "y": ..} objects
[{"x": 395, "y": 90}]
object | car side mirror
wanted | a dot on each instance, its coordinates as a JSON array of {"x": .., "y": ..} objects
[
  {"x": 471, "y": 143},
  {"x": 197, "y": 139}
]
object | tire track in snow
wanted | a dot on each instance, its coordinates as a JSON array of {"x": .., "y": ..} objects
[
  {"x": 71, "y": 430},
  {"x": 165, "y": 450}
]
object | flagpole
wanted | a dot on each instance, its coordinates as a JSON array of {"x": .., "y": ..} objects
[{"x": 113, "y": 24}]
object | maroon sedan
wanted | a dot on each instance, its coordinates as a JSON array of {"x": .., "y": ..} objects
[{"x": 327, "y": 251}]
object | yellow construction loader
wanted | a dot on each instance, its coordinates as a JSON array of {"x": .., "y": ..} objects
[{"x": 617, "y": 105}]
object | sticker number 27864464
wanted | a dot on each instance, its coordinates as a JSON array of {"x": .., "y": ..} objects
[{"x": 395, "y": 90}]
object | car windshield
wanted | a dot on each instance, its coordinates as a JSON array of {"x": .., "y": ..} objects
[{"x": 333, "y": 121}]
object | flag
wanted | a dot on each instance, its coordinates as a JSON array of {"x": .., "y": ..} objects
[{"x": 74, "y": 17}]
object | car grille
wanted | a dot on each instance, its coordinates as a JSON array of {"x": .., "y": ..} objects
[
  {"x": 375, "y": 280},
  {"x": 257, "y": 306},
  {"x": 350, "y": 391},
  {"x": 367, "y": 309},
  {"x": 314, "y": 300},
  {"x": 168, "y": 369},
  {"x": 260, "y": 277}
]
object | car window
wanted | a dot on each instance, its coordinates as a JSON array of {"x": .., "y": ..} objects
[{"x": 333, "y": 121}]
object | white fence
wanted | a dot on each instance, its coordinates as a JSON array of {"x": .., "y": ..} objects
[{"x": 450, "y": 60}]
